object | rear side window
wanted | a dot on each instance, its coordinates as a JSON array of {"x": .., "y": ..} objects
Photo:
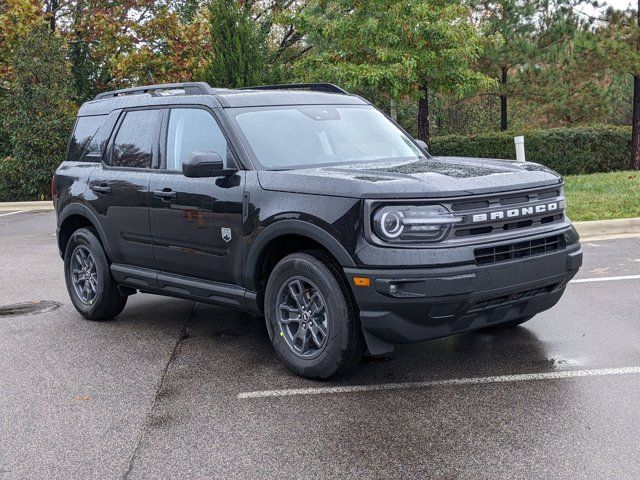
[
  {"x": 83, "y": 133},
  {"x": 193, "y": 131},
  {"x": 136, "y": 139}
]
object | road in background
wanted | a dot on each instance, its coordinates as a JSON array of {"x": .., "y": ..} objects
[{"x": 158, "y": 393}]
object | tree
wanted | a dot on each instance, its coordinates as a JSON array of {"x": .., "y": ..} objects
[
  {"x": 101, "y": 34},
  {"x": 285, "y": 41},
  {"x": 39, "y": 111},
  {"x": 16, "y": 19},
  {"x": 507, "y": 27},
  {"x": 238, "y": 54},
  {"x": 606, "y": 52},
  {"x": 635, "y": 122},
  {"x": 173, "y": 46},
  {"x": 569, "y": 77},
  {"x": 400, "y": 47}
]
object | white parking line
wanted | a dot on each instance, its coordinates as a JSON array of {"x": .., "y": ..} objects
[
  {"x": 606, "y": 279},
  {"x": 12, "y": 213},
  {"x": 439, "y": 383}
]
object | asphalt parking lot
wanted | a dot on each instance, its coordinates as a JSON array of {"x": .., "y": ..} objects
[{"x": 175, "y": 389}]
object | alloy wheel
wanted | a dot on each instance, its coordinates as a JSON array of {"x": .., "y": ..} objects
[
  {"x": 84, "y": 275},
  {"x": 302, "y": 317}
]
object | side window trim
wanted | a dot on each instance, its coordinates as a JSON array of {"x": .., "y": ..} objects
[
  {"x": 232, "y": 157},
  {"x": 108, "y": 153},
  {"x": 161, "y": 163}
]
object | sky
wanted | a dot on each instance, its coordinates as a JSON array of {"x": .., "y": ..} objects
[{"x": 621, "y": 4}]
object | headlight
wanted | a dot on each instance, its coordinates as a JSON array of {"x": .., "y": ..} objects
[{"x": 413, "y": 224}]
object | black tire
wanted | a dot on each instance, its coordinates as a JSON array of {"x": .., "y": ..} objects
[
  {"x": 344, "y": 345},
  {"x": 106, "y": 301},
  {"x": 501, "y": 327}
]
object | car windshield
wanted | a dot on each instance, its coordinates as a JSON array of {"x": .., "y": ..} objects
[{"x": 286, "y": 137}]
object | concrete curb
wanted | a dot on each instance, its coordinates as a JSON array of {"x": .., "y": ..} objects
[
  {"x": 608, "y": 228},
  {"x": 20, "y": 206}
]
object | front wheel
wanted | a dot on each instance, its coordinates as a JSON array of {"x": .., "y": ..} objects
[
  {"x": 91, "y": 287},
  {"x": 316, "y": 327}
]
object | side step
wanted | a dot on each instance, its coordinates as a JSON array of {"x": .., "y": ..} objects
[{"x": 162, "y": 283}]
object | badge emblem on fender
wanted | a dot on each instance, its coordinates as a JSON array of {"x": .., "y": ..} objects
[{"x": 226, "y": 234}]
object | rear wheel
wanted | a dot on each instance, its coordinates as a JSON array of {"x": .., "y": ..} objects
[
  {"x": 501, "y": 327},
  {"x": 91, "y": 287},
  {"x": 317, "y": 331}
]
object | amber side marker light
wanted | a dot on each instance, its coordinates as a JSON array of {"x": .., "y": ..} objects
[{"x": 362, "y": 281}]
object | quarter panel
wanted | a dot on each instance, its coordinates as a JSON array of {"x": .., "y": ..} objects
[{"x": 70, "y": 182}]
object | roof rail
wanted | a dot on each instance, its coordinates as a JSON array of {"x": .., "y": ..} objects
[
  {"x": 190, "y": 88},
  {"x": 316, "y": 87}
]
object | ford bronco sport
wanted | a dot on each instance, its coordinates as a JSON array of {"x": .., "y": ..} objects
[{"x": 309, "y": 206}]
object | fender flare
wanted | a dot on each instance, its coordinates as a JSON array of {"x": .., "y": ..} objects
[
  {"x": 83, "y": 211},
  {"x": 292, "y": 227}
]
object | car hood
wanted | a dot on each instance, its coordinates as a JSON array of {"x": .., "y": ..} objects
[{"x": 425, "y": 178}]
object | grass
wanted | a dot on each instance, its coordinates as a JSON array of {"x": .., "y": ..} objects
[{"x": 603, "y": 196}]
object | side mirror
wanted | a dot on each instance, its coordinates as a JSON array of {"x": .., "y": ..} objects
[
  {"x": 423, "y": 145},
  {"x": 205, "y": 164}
]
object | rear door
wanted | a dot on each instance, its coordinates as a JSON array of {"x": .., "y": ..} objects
[
  {"x": 119, "y": 186},
  {"x": 196, "y": 222}
]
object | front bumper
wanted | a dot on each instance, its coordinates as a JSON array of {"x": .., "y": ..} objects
[{"x": 411, "y": 305}]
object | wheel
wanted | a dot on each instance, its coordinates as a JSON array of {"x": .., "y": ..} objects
[
  {"x": 316, "y": 327},
  {"x": 501, "y": 327},
  {"x": 91, "y": 287}
]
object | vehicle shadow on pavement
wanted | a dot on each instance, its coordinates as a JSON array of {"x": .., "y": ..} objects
[{"x": 222, "y": 346}]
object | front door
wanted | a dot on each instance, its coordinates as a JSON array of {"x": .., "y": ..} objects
[{"x": 196, "y": 222}]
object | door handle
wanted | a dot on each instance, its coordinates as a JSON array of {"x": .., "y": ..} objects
[
  {"x": 102, "y": 188},
  {"x": 166, "y": 194}
]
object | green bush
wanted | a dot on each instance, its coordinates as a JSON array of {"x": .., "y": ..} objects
[
  {"x": 37, "y": 115},
  {"x": 25, "y": 179},
  {"x": 570, "y": 151},
  {"x": 11, "y": 181}
]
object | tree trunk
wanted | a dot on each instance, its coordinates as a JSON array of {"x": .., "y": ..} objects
[
  {"x": 52, "y": 9},
  {"x": 424, "y": 133},
  {"x": 503, "y": 100},
  {"x": 635, "y": 124}
]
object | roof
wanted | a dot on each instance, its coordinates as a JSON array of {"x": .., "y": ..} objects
[{"x": 202, "y": 93}]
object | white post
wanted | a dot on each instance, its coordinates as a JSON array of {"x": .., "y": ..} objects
[
  {"x": 392, "y": 110},
  {"x": 520, "y": 156}
]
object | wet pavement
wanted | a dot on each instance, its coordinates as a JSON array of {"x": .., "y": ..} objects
[{"x": 161, "y": 391}]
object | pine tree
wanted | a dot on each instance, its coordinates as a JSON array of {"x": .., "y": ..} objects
[
  {"x": 635, "y": 124},
  {"x": 507, "y": 27},
  {"x": 238, "y": 46}
]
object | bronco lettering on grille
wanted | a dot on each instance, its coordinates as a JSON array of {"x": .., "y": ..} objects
[{"x": 515, "y": 212}]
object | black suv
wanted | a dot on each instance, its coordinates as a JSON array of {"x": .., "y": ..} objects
[{"x": 309, "y": 206}]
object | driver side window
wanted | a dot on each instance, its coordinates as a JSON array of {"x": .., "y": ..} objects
[{"x": 193, "y": 130}]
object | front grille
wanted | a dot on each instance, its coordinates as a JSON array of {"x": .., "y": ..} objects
[
  {"x": 502, "y": 203},
  {"x": 512, "y": 298},
  {"x": 506, "y": 226},
  {"x": 513, "y": 251}
]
